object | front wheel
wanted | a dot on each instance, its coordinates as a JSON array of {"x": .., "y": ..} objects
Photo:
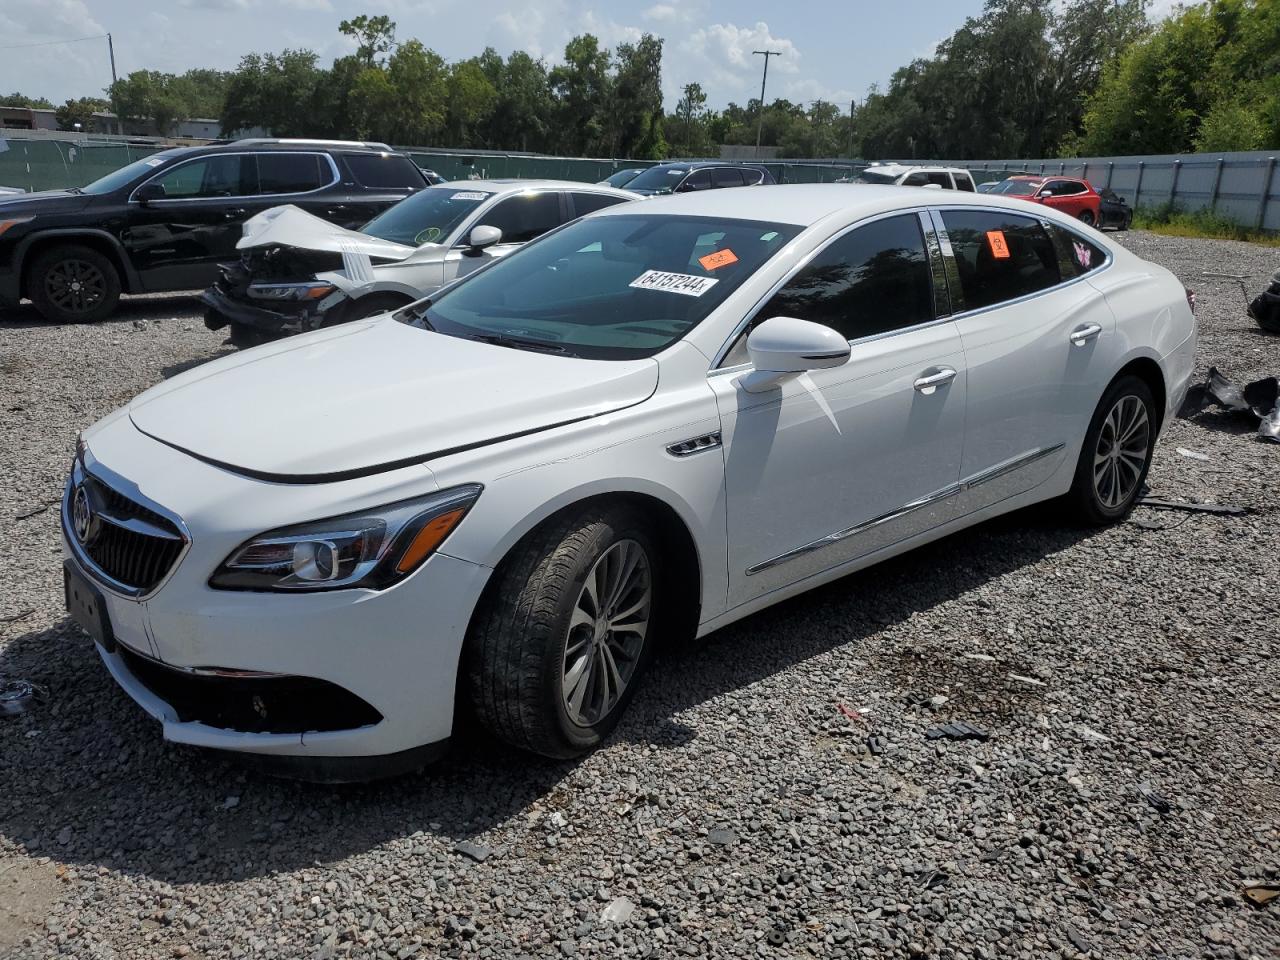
[
  {"x": 1116, "y": 454},
  {"x": 563, "y": 635},
  {"x": 73, "y": 284},
  {"x": 1087, "y": 217}
]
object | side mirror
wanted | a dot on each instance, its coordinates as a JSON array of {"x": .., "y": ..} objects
[
  {"x": 482, "y": 237},
  {"x": 150, "y": 191},
  {"x": 784, "y": 346}
]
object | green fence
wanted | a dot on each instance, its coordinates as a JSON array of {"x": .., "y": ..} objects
[{"x": 53, "y": 164}]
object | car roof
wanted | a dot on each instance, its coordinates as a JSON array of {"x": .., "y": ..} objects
[
  {"x": 805, "y": 204},
  {"x": 699, "y": 164},
  {"x": 898, "y": 168},
  {"x": 519, "y": 186}
]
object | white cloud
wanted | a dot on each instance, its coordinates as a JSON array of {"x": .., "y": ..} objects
[
  {"x": 663, "y": 13},
  {"x": 214, "y": 4},
  {"x": 35, "y": 20}
]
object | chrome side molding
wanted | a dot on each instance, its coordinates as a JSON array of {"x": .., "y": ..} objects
[{"x": 990, "y": 473}]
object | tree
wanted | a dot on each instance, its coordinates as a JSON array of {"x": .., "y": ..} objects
[
  {"x": 690, "y": 123},
  {"x": 419, "y": 78},
  {"x": 633, "y": 123},
  {"x": 374, "y": 37},
  {"x": 149, "y": 95},
  {"x": 580, "y": 86},
  {"x": 80, "y": 112},
  {"x": 471, "y": 99},
  {"x": 22, "y": 100}
]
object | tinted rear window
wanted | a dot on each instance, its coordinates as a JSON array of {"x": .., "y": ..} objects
[
  {"x": 1001, "y": 256},
  {"x": 292, "y": 172},
  {"x": 381, "y": 171}
]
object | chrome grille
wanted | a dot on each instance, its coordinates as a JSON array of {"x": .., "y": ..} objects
[{"x": 125, "y": 543}]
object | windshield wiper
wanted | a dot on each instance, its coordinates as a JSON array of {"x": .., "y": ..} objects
[{"x": 518, "y": 343}]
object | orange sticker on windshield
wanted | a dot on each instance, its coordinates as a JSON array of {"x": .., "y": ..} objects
[
  {"x": 999, "y": 249},
  {"x": 721, "y": 258}
]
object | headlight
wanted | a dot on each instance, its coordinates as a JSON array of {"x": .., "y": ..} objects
[
  {"x": 372, "y": 549},
  {"x": 13, "y": 222},
  {"x": 290, "y": 291}
]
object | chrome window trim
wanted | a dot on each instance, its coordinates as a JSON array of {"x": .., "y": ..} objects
[
  {"x": 85, "y": 562},
  {"x": 982, "y": 476},
  {"x": 1044, "y": 223},
  {"x": 750, "y": 315},
  {"x": 333, "y": 168}
]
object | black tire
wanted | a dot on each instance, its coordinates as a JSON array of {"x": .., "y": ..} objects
[
  {"x": 244, "y": 336},
  {"x": 1088, "y": 503},
  {"x": 73, "y": 283},
  {"x": 1128, "y": 221},
  {"x": 1086, "y": 217},
  {"x": 515, "y": 656},
  {"x": 365, "y": 307},
  {"x": 215, "y": 319}
]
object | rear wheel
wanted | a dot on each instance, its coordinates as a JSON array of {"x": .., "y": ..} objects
[
  {"x": 1116, "y": 454},
  {"x": 563, "y": 635},
  {"x": 1086, "y": 217},
  {"x": 73, "y": 284}
]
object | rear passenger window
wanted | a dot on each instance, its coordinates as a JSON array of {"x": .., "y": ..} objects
[
  {"x": 871, "y": 280},
  {"x": 963, "y": 181},
  {"x": 584, "y": 203},
  {"x": 941, "y": 179},
  {"x": 727, "y": 177},
  {"x": 1076, "y": 255},
  {"x": 1000, "y": 256},
  {"x": 915, "y": 180},
  {"x": 292, "y": 172},
  {"x": 526, "y": 216},
  {"x": 698, "y": 180},
  {"x": 384, "y": 171}
]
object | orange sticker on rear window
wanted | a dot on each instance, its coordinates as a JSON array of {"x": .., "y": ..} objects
[
  {"x": 999, "y": 249},
  {"x": 721, "y": 258}
]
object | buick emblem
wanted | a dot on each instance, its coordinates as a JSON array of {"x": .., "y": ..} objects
[{"x": 82, "y": 518}]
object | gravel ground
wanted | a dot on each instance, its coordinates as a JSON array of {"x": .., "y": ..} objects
[{"x": 739, "y": 810}]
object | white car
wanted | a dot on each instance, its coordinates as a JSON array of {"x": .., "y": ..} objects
[
  {"x": 647, "y": 424},
  {"x": 298, "y": 272},
  {"x": 913, "y": 175}
]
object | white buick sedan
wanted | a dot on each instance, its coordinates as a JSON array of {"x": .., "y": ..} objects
[{"x": 647, "y": 424}]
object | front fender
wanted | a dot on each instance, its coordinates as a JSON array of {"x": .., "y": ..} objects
[{"x": 128, "y": 275}]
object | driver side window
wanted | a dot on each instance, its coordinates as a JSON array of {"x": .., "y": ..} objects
[
  {"x": 215, "y": 176},
  {"x": 524, "y": 217}
]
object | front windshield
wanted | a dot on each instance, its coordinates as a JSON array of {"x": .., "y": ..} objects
[
  {"x": 877, "y": 176},
  {"x": 1017, "y": 188},
  {"x": 608, "y": 288},
  {"x": 126, "y": 174},
  {"x": 663, "y": 179},
  {"x": 429, "y": 216}
]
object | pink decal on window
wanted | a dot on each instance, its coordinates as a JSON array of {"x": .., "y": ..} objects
[{"x": 1084, "y": 255}]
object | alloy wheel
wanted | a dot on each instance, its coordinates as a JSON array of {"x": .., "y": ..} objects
[
  {"x": 1121, "y": 453},
  {"x": 607, "y": 632},
  {"x": 75, "y": 286}
]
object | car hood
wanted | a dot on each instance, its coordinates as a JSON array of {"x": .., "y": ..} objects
[
  {"x": 290, "y": 226},
  {"x": 373, "y": 396},
  {"x": 42, "y": 201}
]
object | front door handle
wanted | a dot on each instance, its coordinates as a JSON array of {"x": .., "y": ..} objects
[
  {"x": 1083, "y": 334},
  {"x": 235, "y": 214},
  {"x": 930, "y": 382}
]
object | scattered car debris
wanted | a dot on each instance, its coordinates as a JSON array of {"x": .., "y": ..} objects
[
  {"x": 777, "y": 936},
  {"x": 875, "y": 746},
  {"x": 476, "y": 851},
  {"x": 934, "y": 878},
  {"x": 1259, "y": 399},
  {"x": 1218, "y": 509},
  {"x": 38, "y": 510},
  {"x": 957, "y": 730},
  {"x": 860, "y": 714},
  {"x": 992, "y": 855},
  {"x": 1090, "y": 734},
  {"x": 17, "y": 696},
  {"x": 1156, "y": 800},
  {"x": 1265, "y": 307},
  {"x": 619, "y": 911},
  {"x": 1031, "y": 680},
  {"x": 1261, "y": 894},
  {"x": 1193, "y": 454},
  {"x": 984, "y": 657},
  {"x": 17, "y": 616}
]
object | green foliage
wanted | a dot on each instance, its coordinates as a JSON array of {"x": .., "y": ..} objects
[
  {"x": 81, "y": 112},
  {"x": 1168, "y": 219},
  {"x": 22, "y": 100},
  {"x": 166, "y": 98},
  {"x": 1205, "y": 79},
  {"x": 374, "y": 36}
]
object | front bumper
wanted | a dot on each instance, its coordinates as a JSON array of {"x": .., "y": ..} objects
[
  {"x": 234, "y": 310},
  {"x": 384, "y": 662}
]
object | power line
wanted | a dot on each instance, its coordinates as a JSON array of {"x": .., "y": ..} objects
[{"x": 50, "y": 43}]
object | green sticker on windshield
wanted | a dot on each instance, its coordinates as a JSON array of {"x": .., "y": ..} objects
[{"x": 769, "y": 236}]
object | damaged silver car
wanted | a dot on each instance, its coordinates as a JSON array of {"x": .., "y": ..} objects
[{"x": 298, "y": 272}]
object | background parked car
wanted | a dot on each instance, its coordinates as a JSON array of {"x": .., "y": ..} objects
[
  {"x": 431, "y": 176},
  {"x": 903, "y": 175},
  {"x": 699, "y": 175},
  {"x": 166, "y": 221},
  {"x": 1071, "y": 195},
  {"x": 297, "y": 272},
  {"x": 621, "y": 178},
  {"x": 1113, "y": 210}
]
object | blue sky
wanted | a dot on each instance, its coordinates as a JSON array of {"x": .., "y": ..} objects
[{"x": 833, "y": 50}]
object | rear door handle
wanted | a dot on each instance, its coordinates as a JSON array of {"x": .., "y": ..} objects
[
  {"x": 1083, "y": 334},
  {"x": 930, "y": 382},
  {"x": 235, "y": 214}
]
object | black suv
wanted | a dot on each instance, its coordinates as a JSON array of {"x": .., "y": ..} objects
[
  {"x": 693, "y": 175},
  {"x": 166, "y": 221}
]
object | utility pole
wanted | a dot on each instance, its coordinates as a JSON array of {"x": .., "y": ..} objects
[
  {"x": 111, "y": 49},
  {"x": 760, "y": 122},
  {"x": 853, "y": 105}
]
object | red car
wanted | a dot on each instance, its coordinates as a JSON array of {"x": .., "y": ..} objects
[{"x": 1069, "y": 194}]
